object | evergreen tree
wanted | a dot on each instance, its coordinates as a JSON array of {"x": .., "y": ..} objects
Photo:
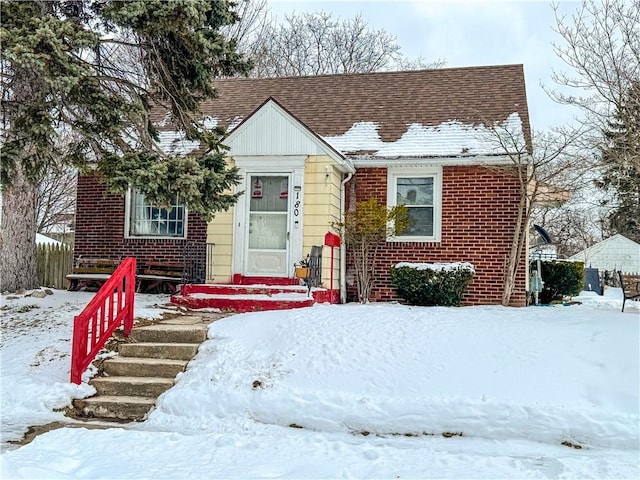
[
  {"x": 621, "y": 165},
  {"x": 80, "y": 80}
]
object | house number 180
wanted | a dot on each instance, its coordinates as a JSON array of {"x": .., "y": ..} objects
[{"x": 296, "y": 206}]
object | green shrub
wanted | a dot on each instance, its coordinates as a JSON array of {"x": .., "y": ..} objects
[
  {"x": 432, "y": 284},
  {"x": 560, "y": 279}
]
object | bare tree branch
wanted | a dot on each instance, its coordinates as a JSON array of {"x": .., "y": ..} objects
[
  {"x": 56, "y": 197},
  {"x": 545, "y": 177},
  {"x": 317, "y": 43},
  {"x": 601, "y": 45}
]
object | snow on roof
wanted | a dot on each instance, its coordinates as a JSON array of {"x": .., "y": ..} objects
[
  {"x": 421, "y": 113},
  {"x": 44, "y": 240},
  {"x": 174, "y": 143},
  {"x": 446, "y": 139},
  {"x": 234, "y": 123},
  {"x": 452, "y": 138}
]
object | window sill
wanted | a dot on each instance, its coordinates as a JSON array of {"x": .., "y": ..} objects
[
  {"x": 413, "y": 239},
  {"x": 153, "y": 237}
]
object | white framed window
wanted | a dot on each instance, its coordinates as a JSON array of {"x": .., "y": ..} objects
[
  {"x": 144, "y": 219},
  {"x": 420, "y": 190}
]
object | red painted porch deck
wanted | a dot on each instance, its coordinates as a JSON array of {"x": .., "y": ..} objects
[{"x": 250, "y": 298}]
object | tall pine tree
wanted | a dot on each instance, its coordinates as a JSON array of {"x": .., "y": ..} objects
[
  {"x": 621, "y": 164},
  {"x": 79, "y": 80}
]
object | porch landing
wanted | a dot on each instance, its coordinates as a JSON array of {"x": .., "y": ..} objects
[{"x": 250, "y": 298}]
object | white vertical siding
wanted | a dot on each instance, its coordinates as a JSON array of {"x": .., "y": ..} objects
[
  {"x": 614, "y": 253},
  {"x": 271, "y": 132}
]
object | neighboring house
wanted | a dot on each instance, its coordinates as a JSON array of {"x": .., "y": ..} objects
[
  {"x": 307, "y": 148},
  {"x": 61, "y": 223},
  {"x": 615, "y": 253},
  {"x": 44, "y": 240},
  {"x": 61, "y": 228}
]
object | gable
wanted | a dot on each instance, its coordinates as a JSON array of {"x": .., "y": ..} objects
[
  {"x": 615, "y": 253},
  {"x": 272, "y": 131}
]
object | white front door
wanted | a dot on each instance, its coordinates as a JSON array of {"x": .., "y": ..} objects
[{"x": 267, "y": 228}]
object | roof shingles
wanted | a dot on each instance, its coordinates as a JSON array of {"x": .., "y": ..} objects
[{"x": 395, "y": 104}]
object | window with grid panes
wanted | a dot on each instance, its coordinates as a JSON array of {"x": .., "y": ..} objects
[{"x": 148, "y": 220}]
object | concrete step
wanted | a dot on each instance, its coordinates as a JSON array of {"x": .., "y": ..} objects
[
  {"x": 166, "y": 333},
  {"x": 131, "y": 386},
  {"x": 173, "y": 351},
  {"x": 116, "y": 407},
  {"x": 144, "y": 367}
]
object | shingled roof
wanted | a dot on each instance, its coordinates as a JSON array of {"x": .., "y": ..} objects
[{"x": 396, "y": 106}]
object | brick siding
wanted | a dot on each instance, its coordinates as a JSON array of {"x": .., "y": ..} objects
[
  {"x": 479, "y": 209},
  {"x": 100, "y": 228},
  {"x": 478, "y": 213}
]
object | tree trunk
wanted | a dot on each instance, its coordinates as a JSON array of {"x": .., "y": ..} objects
[
  {"x": 19, "y": 197},
  {"x": 518, "y": 242},
  {"x": 360, "y": 260},
  {"x": 18, "y": 235}
]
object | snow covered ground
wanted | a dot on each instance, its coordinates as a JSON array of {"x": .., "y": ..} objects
[
  {"x": 35, "y": 356},
  {"x": 348, "y": 391}
]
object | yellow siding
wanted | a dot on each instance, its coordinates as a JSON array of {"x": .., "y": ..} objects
[
  {"x": 322, "y": 207},
  {"x": 220, "y": 233}
]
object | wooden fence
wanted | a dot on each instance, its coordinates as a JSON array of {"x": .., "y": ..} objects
[{"x": 54, "y": 263}]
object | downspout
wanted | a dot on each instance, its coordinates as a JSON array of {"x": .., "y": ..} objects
[{"x": 343, "y": 248}]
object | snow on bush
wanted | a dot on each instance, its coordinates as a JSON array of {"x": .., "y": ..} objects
[{"x": 432, "y": 284}]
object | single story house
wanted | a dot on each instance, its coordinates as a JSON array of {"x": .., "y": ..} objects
[
  {"x": 307, "y": 148},
  {"x": 614, "y": 253}
]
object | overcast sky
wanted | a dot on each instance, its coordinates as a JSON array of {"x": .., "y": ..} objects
[{"x": 468, "y": 33}]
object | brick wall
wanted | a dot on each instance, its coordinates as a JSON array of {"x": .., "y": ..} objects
[
  {"x": 100, "y": 228},
  {"x": 479, "y": 208}
]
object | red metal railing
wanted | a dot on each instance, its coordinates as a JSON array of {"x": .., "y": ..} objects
[{"x": 108, "y": 309}]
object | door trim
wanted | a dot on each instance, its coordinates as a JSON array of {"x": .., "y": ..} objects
[
  {"x": 272, "y": 165},
  {"x": 277, "y": 256}
]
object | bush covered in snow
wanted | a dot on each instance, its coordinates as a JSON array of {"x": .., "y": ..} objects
[{"x": 432, "y": 283}]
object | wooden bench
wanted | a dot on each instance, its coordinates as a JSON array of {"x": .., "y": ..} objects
[
  {"x": 160, "y": 277},
  {"x": 630, "y": 285},
  {"x": 91, "y": 273}
]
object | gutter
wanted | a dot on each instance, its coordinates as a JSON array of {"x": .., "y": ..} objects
[{"x": 343, "y": 248}]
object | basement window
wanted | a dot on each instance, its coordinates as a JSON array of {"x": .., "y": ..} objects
[{"x": 144, "y": 219}]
